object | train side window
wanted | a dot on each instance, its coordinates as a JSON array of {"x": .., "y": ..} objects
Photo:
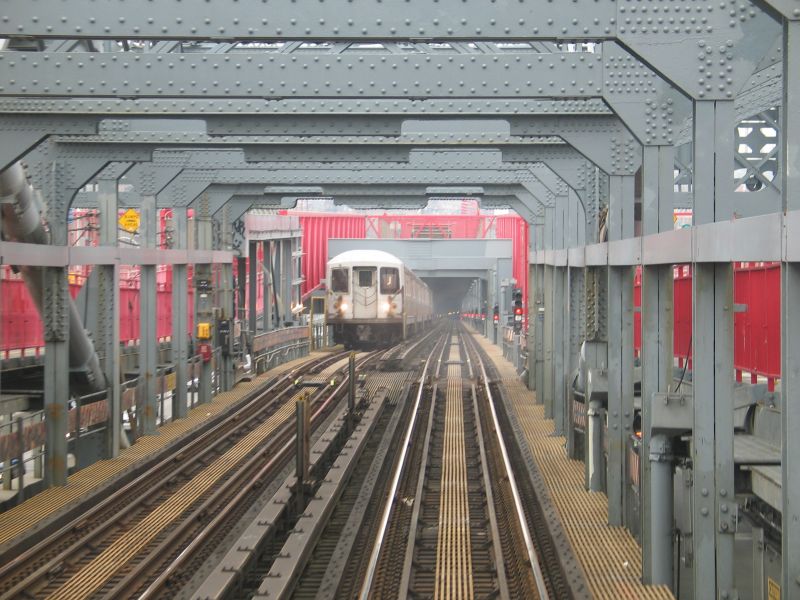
[
  {"x": 339, "y": 281},
  {"x": 365, "y": 277},
  {"x": 390, "y": 280}
]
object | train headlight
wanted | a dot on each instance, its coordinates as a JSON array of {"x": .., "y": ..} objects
[
  {"x": 387, "y": 307},
  {"x": 343, "y": 306}
]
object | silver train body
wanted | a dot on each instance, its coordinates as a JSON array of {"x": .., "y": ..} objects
[{"x": 374, "y": 299}]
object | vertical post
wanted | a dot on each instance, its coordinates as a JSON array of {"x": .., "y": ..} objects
[
  {"x": 56, "y": 371},
  {"x": 180, "y": 310},
  {"x": 790, "y": 327},
  {"x": 303, "y": 446},
  {"x": 288, "y": 275},
  {"x": 547, "y": 340},
  {"x": 532, "y": 325},
  {"x": 351, "y": 388},
  {"x": 21, "y": 459},
  {"x": 146, "y": 409},
  {"x": 203, "y": 296},
  {"x": 252, "y": 299},
  {"x": 576, "y": 336},
  {"x": 267, "y": 282},
  {"x": 539, "y": 333},
  {"x": 241, "y": 291},
  {"x": 277, "y": 282},
  {"x": 620, "y": 347},
  {"x": 713, "y": 502},
  {"x": 661, "y": 482},
  {"x": 657, "y": 361},
  {"x": 557, "y": 325},
  {"x": 225, "y": 303},
  {"x": 108, "y": 317}
]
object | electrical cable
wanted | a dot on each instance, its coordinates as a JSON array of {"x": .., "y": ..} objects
[{"x": 685, "y": 365}]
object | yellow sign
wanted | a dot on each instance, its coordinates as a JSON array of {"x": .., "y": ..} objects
[
  {"x": 203, "y": 331},
  {"x": 129, "y": 221},
  {"x": 773, "y": 589},
  {"x": 169, "y": 381}
]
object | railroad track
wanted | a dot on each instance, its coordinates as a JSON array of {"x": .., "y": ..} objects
[
  {"x": 455, "y": 527},
  {"x": 116, "y": 548}
]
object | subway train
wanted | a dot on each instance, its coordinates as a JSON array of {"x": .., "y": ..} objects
[{"x": 373, "y": 299}]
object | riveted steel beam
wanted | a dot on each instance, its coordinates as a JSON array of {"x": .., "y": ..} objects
[
  {"x": 231, "y": 117},
  {"x": 567, "y": 75},
  {"x": 736, "y": 42}
]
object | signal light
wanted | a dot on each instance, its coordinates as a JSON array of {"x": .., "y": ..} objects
[{"x": 517, "y": 309}]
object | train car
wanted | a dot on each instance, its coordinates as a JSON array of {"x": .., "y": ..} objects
[{"x": 374, "y": 299}]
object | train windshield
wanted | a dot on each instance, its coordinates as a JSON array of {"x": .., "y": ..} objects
[
  {"x": 339, "y": 281},
  {"x": 365, "y": 277},
  {"x": 390, "y": 280}
]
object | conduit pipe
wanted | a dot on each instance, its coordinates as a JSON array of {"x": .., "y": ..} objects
[{"x": 22, "y": 222}]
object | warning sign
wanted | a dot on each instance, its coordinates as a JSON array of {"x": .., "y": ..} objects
[{"x": 129, "y": 221}]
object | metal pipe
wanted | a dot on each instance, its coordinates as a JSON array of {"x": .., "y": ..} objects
[
  {"x": 22, "y": 222},
  {"x": 661, "y": 498},
  {"x": 596, "y": 459}
]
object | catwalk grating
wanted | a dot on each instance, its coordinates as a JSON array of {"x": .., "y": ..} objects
[
  {"x": 36, "y": 511},
  {"x": 609, "y": 555},
  {"x": 454, "y": 552}
]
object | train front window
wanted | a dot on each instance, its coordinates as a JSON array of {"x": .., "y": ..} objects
[
  {"x": 365, "y": 277},
  {"x": 390, "y": 280},
  {"x": 339, "y": 281}
]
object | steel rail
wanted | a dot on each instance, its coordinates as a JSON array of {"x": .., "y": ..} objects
[
  {"x": 376, "y": 548},
  {"x": 532, "y": 557},
  {"x": 405, "y": 580},
  {"x": 280, "y": 456},
  {"x": 124, "y": 492}
]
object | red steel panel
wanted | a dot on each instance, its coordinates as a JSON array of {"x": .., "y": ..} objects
[{"x": 317, "y": 230}]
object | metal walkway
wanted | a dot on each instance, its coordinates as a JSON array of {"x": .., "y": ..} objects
[
  {"x": 610, "y": 556},
  {"x": 44, "y": 507}
]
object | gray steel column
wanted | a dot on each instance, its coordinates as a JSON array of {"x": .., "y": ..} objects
[
  {"x": 657, "y": 361},
  {"x": 558, "y": 325},
  {"x": 659, "y": 459},
  {"x": 558, "y": 315},
  {"x": 180, "y": 316},
  {"x": 790, "y": 330},
  {"x": 146, "y": 405},
  {"x": 252, "y": 293},
  {"x": 203, "y": 296},
  {"x": 533, "y": 313},
  {"x": 267, "y": 282},
  {"x": 547, "y": 340},
  {"x": 55, "y": 311},
  {"x": 108, "y": 314},
  {"x": 713, "y": 502},
  {"x": 240, "y": 290},
  {"x": 288, "y": 276},
  {"x": 277, "y": 282},
  {"x": 620, "y": 348},
  {"x": 225, "y": 303},
  {"x": 539, "y": 333},
  {"x": 595, "y": 351},
  {"x": 576, "y": 311},
  {"x": 297, "y": 262}
]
